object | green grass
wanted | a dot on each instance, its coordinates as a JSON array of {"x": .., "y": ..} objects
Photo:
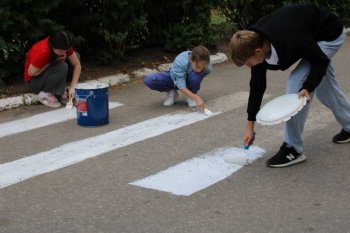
[{"x": 217, "y": 18}]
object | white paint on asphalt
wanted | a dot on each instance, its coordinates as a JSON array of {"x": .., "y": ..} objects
[
  {"x": 74, "y": 152},
  {"x": 243, "y": 156},
  {"x": 41, "y": 120},
  {"x": 197, "y": 173}
]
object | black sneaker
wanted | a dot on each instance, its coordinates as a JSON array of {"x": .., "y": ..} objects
[
  {"x": 285, "y": 157},
  {"x": 342, "y": 137}
]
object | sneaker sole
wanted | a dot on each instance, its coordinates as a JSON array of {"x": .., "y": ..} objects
[
  {"x": 341, "y": 142},
  {"x": 301, "y": 159},
  {"x": 49, "y": 105}
]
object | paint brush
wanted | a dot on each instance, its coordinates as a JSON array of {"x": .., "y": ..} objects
[
  {"x": 69, "y": 104},
  {"x": 207, "y": 112}
]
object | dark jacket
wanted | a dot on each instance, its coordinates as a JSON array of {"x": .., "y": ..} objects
[{"x": 294, "y": 31}]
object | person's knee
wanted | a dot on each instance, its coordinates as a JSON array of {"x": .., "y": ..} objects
[
  {"x": 149, "y": 81},
  {"x": 195, "y": 78},
  {"x": 62, "y": 68},
  {"x": 146, "y": 80},
  {"x": 194, "y": 82},
  {"x": 58, "y": 72},
  {"x": 159, "y": 82}
]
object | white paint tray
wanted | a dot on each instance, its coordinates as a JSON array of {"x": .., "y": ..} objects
[{"x": 280, "y": 109}]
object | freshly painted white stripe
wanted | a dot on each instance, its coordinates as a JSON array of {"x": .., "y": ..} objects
[
  {"x": 41, "y": 120},
  {"x": 74, "y": 152},
  {"x": 222, "y": 104},
  {"x": 197, "y": 173},
  {"x": 243, "y": 156}
]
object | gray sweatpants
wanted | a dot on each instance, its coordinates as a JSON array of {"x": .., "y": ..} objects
[
  {"x": 328, "y": 92},
  {"x": 53, "y": 79}
]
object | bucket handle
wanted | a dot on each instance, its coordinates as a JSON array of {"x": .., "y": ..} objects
[{"x": 90, "y": 94}]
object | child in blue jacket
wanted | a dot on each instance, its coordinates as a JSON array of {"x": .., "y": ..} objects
[{"x": 186, "y": 74}]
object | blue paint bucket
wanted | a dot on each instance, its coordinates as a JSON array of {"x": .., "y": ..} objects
[{"x": 91, "y": 100}]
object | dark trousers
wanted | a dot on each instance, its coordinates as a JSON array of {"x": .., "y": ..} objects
[
  {"x": 162, "y": 81},
  {"x": 53, "y": 79}
]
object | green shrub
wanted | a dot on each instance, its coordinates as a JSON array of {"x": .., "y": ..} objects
[
  {"x": 21, "y": 25},
  {"x": 180, "y": 25},
  {"x": 106, "y": 28},
  {"x": 245, "y": 12}
]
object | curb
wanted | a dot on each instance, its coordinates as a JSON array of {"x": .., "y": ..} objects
[{"x": 112, "y": 80}]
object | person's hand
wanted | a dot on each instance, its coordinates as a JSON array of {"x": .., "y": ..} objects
[
  {"x": 71, "y": 93},
  {"x": 199, "y": 102},
  {"x": 305, "y": 93},
  {"x": 248, "y": 138},
  {"x": 249, "y": 135}
]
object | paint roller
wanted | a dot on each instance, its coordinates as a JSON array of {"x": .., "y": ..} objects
[{"x": 240, "y": 156}]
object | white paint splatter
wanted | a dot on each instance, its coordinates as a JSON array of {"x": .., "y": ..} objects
[{"x": 194, "y": 174}]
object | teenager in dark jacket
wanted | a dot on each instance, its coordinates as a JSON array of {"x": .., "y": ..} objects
[{"x": 295, "y": 32}]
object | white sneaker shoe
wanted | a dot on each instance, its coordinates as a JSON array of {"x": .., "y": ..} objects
[
  {"x": 170, "y": 98},
  {"x": 48, "y": 100},
  {"x": 191, "y": 103}
]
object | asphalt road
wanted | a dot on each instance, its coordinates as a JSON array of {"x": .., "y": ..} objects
[{"x": 94, "y": 195}]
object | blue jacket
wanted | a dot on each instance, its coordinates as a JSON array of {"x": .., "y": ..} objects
[{"x": 182, "y": 67}]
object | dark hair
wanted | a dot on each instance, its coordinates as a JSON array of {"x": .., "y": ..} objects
[
  {"x": 59, "y": 40},
  {"x": 200, "y": 53}
]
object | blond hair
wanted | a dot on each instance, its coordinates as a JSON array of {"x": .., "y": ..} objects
[
  {"x": 200, "y": 53},
  {"x": 242, "y": 46}
]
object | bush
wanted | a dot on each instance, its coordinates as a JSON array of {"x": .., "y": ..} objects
[
  {"x": 101, "y": 30},
  {"x": 186, "y": 36},
  {"x": 245, "y": 12},
  {"x": 21, "y": 25},
  {"x": 180, "y": 25},
  {"x": 106, "y": 29}
]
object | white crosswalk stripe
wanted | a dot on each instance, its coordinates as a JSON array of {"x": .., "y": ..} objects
[
  {"x": 61, "y": 156},
  {"x": 77, "y": 151},
  {"x": 74, "y": 152},
  {"x": 41, "y": 120},
  {"x": 197, "y": 173}
]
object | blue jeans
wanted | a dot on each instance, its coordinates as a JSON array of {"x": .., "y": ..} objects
[
  {"x": 164, "y": 83},
  {"x": 328, "y": 92}
]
